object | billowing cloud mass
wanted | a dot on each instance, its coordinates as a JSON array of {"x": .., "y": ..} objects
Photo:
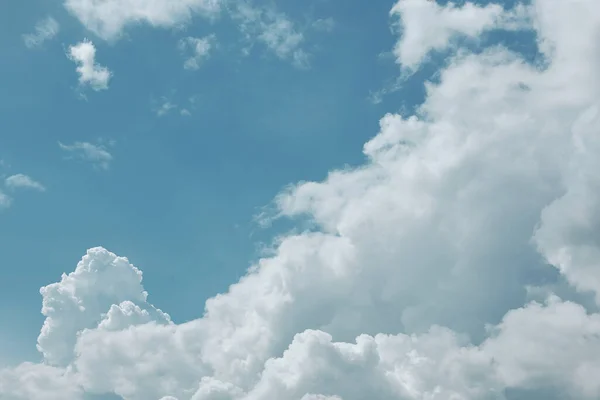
[
  {"x": 418, "y": 278},
  {"x": 90, "y": 72},
  {"x": 22, "y": 181},
  {"x": 97, "y": 154},
  {"x": 198, "y": 49},
  {"x": 45, "y": 30}
]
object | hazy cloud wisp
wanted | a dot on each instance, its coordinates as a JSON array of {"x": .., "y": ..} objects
[
  {"x": 97, "y": 154},
  {"x": 45, "y": 30}
]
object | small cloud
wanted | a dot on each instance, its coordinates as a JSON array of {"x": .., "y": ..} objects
[
  {"x": 280, "y": 35},
  {"x": 94, "y": 153},
  {"x": 200, "y": 49},
  {"x": 5, "y": 200},
  {"x": 45, "y": 30},
  {"x": 22, "y": 181},
  {"x": 300, "y": 59},
  {"x": 275, "y": 30},
  {"x": 90, "y": 73},
  {"x": 165, "y": 107},
  {"x": 324, "y": 24}
]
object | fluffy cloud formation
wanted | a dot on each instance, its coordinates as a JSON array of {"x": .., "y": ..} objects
[
  {"x": 413, "y": 284},
  {"x": 102, "y": 285},
  {"x": 23, "y": 181},
  {"x": 428, "y": 25},
  {"x": 38, "y": 381},
  {"x": 90, "y": 73},
  {"x": 97, "y": 154},
  {"x": 200, "y": 50},
  {"x": 45, "y": 30}
]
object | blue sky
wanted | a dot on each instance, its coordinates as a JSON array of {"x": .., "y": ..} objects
[
  {"x": 179, "y": 195},
  {"x": 329, "y": 200}
]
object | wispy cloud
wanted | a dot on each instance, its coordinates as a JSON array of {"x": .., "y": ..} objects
[
  {"x": 22, "y": 181},
  {"x": 5, "y": 200},
  {"x": 275, "y": 30},
  {"x": 200, "y": 49},
  {"x": 166, "y": 106},
  {"x": 90, "y": 73},
  {"x": 324, "y": 24},
  {"x": 97, "y": 154},
  {"x": 45, "y": 30},
  {"x": 16, "y": 182}
]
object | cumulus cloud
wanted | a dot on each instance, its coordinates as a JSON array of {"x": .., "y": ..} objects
[
  {"x": 19, "y": 181},
  {"x": 97, "y": 154},
  {"x": 45, "y": 30},
  {"x": 103, "y": 292},
  {"x": 199, "y": 48},
  {"x": 31, "y": 381},
  {"x": 90, "y": 73},
  {"x": 414, "y": 281}
]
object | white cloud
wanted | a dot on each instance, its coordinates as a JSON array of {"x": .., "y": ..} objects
[
  {"x": 274, "y": 29},
  {"x": 200, "y": 49},
  {"x": 100, "y": 294},
  {"x": 107, "y": 18},
  {"x": 31, "y": 381},
  {"x": 415, "y": 285},
  {"x": 165, "y": 108},
  {"x": 45, "y": 29},
  {"x": 324, "y": 24},
  {"x": 429, "y": 26},
  {"x": 23, "y": 181},
  {"x": 16, "y": 182},
  {"x": 96, "y": 154},
  {"x": 5, "y": 200},
  {"x": 90, "y": 73}
]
